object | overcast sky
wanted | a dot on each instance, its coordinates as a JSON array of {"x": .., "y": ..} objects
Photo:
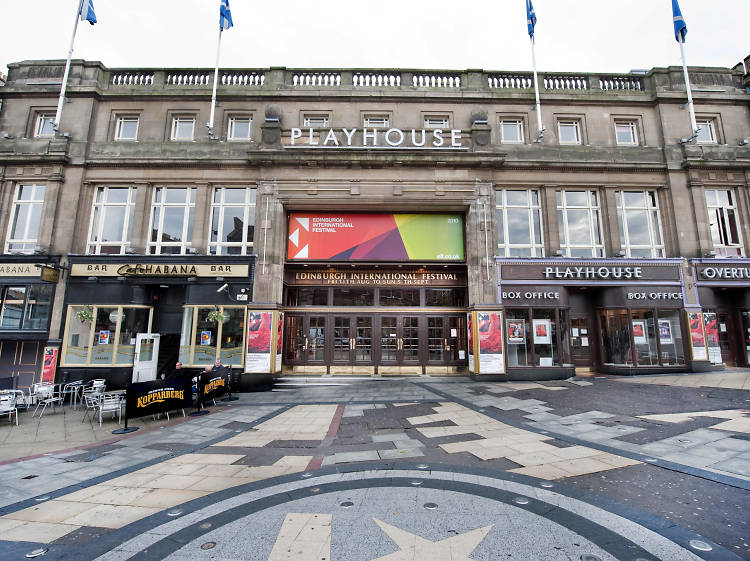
[{"x": 571, "y": 35}]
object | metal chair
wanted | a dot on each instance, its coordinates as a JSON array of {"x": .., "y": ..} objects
[
  {"x": 8, "y": 405},
  {"x": 94, "y": 387},
  {"x": 46, "y": 394},
  {"x": 92, "y": 404},
  {"x": 109, "y": 404},
  {"x": 72, "y": 389}
]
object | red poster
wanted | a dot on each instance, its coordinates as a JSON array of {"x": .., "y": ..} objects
[
  {"x": 490, "y": 335},
  {"x": 279, "y": 332},
  {"x": 259, "y": 332},
  {"x": 49, "y": 364},
  {"x": 712, "y": 329},
  {"x": 696, "y": 329}
]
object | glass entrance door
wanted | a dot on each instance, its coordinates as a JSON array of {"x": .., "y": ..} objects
[
  {"x": 580, "y": 341},
  {"x": 352, "y": 340},
  {"x": 399, "y": 340},
  {"x": 305, "y": 340}
]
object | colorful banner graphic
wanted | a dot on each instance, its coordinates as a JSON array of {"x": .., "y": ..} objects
[
  {"x": 697, "y": 337},
  {"x": 639, "y": 332},
  {"x": 490, "y": 334},
  {"x": 258, "y": 352},
  {"x": 158, "y": 396},
  {"x": 49, "y": 364},
  {"x": 376, "y": 237},
  {"x": 211, "y": 386},
  {"x": 711, "y": 329},
  {"x": 472, "y": 352},
  {"x": 516, "y": 331},
  {"x": 279, "y": 340},
  {"x": 665, "y": 332}
]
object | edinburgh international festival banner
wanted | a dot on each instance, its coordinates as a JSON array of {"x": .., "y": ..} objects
[
  {"x": 211, "y": 386},
  {"x": 376, "y": 237},
  {"x": 158, "y": 396}
]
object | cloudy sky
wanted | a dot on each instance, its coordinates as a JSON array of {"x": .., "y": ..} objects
[{"x": 572, "y": 35}]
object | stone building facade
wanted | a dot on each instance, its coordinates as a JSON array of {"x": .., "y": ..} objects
[{"x": 377, "y": 222}]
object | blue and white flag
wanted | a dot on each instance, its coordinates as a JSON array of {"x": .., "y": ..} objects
[
  {"x": 225, "y": 16},
  {"x": 87, "y": 11},
  {"x": 530, "y": 18},
  {"x": 680, "y": 27}
]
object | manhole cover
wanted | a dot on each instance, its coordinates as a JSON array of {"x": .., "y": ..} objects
[
  {"x": 700, "y": 545},
  {"x": 208, "y": 545},
  {"x": 521, "y": 501},
  {"x": 430, "y": 506},
  {"x": 347, "y": 504}
]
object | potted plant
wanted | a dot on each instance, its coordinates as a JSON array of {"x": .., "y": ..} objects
[
  {"x": 215, "y": 316},
  {"x": 85, "y": 315}
]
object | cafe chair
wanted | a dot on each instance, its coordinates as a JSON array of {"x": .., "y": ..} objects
[
  {"x": 45, "y": 394},
  {"x": 94, "y": 387},
  {"x": 110, "y": 404},
  {"x": 8, "y": 405},
  {"x": 72, "y": 389}
]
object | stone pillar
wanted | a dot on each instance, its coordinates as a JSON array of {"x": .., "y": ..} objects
[
  {"x": 610, "y": 222},
  {"x": 202, "y": 217},
  {"x": 549, "y": 218},
  {"x": 702, "y": 220},
  {"x": 480, "y": 247},
  {"x": 269, "y": 245},
  {"x": 50, "y": 209},
  {"x": 139, "y": 234}
]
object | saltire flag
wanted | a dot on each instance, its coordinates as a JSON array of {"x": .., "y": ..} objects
[
  {"x": 531, "y": 18},
  {"x": 680, "y": 27},
  {"x": 225, "y": 16},
  {"x": 87, "y": 11}
]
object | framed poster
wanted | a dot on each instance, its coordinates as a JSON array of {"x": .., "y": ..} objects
[
  {"x": 258, "y": 348},
  {"x": 49, "y": 364},
  {"x": 697, "y": 337},
  {"x": 104, "y": 337},
  {"x": 516, "y": 331},
  {"x": 542, "y": 331},
  {"x": 639, "y": 332},
  {"x": 490, "y": 335},
  {"x": 711, "y": 330},
  {"x": 665, "y": 332}
]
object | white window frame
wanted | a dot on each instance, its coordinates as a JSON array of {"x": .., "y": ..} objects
[
  {"x": 519, "y": 129},
  {"x": 631, "y": 126},
  {"x": 505, "y": 248},
  {"x": 316, "y": 120},
  {"x": 656, "y": 235},
  {"x": 101, "y": 203},
  {"x": 155, "y": 247},
  {"x": 121, "y": 120},
  {"x": 438, "y": 121},
  {"x": 376, "y": 121},
  {"x": 719, "y": 218},
  {"x": 30, "y": 237},
  {"x": 231, "y": 128},
  {"x": 594, "y": 210},
  {"x": 219, "y": 247},
  {"x": 39, "y": 125},
  {"x": 708, "y": 127},
  {"x": 176, "y": 121},
  {"x": 576, "y": 124}
]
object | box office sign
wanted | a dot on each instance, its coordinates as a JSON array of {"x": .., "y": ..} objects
[
  {"x": 590, "y": 272},
  {"x": 158, "y": 270},
  {"x": 376, "y": 237},
  {"x": 535, "y": 296}
]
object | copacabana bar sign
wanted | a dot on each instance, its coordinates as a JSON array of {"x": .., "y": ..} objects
[{"x": 375, "y": 237}]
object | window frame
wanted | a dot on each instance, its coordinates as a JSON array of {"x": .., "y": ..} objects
[
  {"x": 710, "y": 125},
  {"x": 655, "y": 230},
  {"x": 176, "y": 120},
  {"x": 230, "y": 128},
  {"x": 445, "y": 119},
  {"x": 724, "y": 249},
  {"x": 367, "y": 117},
  {"x": 633, "y": 126},
  {"x": 308, "y": 118},
  {"x": 520, "y": 127},
  {"x": 249, "y": 206},
  {"x": 122, "y": 118},
  {"x": 195, "y": 308},
  {"x": 597, "y": 249},
  {"x": 501, "y": 205},
  {"x": 570, "y": 121},
  {"x": 155, "y": 247},
  {"x": 94, "y": 247},
  {"x": 25, "y": 304},
  {"x": 39, "y": 119},
  {"x": 16, "y": 205}
]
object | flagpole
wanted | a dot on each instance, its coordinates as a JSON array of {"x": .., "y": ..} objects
[
  {"x": 536, "y": 91},
  {"x": 213, "y": 95},
  {"x": 693, "y": 122},
  {"x": 67, "y": 69}
]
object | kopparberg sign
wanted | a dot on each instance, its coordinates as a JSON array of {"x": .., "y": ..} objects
[{"x": 433, "y": 139}]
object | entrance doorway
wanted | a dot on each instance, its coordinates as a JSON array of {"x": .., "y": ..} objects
[
  {"x": 385, "y": 344},
  {"x": 581, "y": 338}
]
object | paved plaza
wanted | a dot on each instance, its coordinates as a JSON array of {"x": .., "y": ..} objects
[{"x": 423, "y": 468}]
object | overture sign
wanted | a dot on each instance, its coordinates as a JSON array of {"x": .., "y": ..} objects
[{"x": 376, "y": 237}]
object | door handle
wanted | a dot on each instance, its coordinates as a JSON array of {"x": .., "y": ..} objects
[
  {"x": 352, "y": 344},
  {"x": 304, "y": 347},
  {"x": 446, "y": 345},
  {"x": 399, "y": 344}
]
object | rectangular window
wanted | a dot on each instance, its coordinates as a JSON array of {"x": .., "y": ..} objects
[
  {"x": 240, "y": 129},
  {"x": 45, "y": 125},
  {"x": 232, "y": 221},
  {"x": 723, "y": 218},
  {"x": 377, "y": 121},
  {"x": 108, "y": 339},
  {"x": 203, "y": 342},
  {"x": 579, "y": 223},
  {"x": 569, "y": 132},
  {"x": 111, "y": 220},
  {"x": 437, "y": 122},
  {"x": 519, "y": 223},
  {"x": 706, "y": 131},
  {"x": 172, "y": 213},
  {"x": 25, "y": 219},
  {"x": 511, "y": 131},
  {"x": 315, "y": 121},
  {"x": 183, "y": 129},
  {"x": 640, "y": 224},
  {"x": 126, "y": 129},
  {"x": 626, "y": 133}
]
